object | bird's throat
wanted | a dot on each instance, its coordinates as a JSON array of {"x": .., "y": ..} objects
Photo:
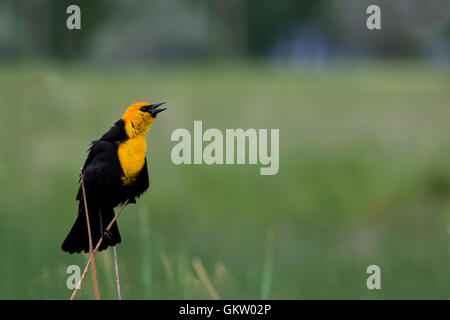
[{"x": 131, "y": 155}]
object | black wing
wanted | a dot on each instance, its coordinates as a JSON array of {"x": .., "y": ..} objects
[
  {"x": 102, "y": 172},
  {"x": 141, "y": 184}
]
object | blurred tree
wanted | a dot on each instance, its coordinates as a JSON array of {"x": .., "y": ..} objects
[
  {"x": 187, "y": 29},
  {"x": 39, "y": 27},
  {"x": 66, "y": 43},
  {"x": 230, "y": 27},
  {"x": 269, "y": 20},
  {"x": 158, "y": 29}
]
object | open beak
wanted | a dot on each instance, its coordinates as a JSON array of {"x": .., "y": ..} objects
[{"x": 154, "y": 111}]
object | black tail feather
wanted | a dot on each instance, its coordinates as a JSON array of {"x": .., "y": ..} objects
[{"x": 77, "y": 240}]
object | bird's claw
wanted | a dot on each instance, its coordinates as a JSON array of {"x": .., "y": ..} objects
[{"x": 106, "y": 234}]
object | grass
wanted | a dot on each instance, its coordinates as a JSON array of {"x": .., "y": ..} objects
[{"x": 364, "y": 179}]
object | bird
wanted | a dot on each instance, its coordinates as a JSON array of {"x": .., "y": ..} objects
[{"x": 115, "y": 171}]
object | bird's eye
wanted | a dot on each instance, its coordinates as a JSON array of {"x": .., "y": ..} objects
[{"x": 145, "y": 109}]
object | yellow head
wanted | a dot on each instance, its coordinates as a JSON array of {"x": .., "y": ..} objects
[{"x": 139, "y": 117}]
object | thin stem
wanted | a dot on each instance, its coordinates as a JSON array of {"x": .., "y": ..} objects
[
  {"x": 116, "y": 265},
  {"x": 75, "y": 291},
  {"x": 203, "y": 276},
  {"x": 91, "y": 252}
]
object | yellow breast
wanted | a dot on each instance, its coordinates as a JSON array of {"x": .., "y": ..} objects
[{"x": 131, "y": 155}]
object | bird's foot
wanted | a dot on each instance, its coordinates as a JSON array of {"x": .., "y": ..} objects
[
  {"x": 106, "y": 234},
  {"x": 132, "y": 200}
]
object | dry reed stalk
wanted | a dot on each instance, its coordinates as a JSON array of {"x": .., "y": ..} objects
[
  {"x": 91, "y": 252},
  {"x": 75, "y": 291},
  {"x": 203, "y": 276},
  {"x": 116, "y": 266}
]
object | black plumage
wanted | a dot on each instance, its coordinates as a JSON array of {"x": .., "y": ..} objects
[{"x": 104, "y": 190}]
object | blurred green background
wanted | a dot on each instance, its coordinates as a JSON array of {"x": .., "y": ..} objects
[{"x": 364, "y": 147}]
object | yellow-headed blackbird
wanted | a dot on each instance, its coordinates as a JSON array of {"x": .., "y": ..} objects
[{"x": 115, "y": 171}]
